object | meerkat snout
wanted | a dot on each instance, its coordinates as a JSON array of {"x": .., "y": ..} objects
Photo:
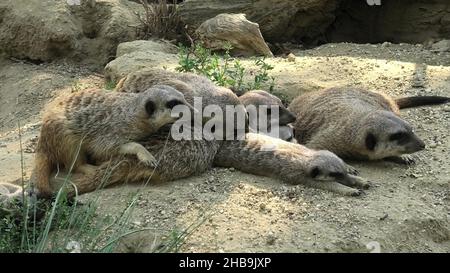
[{"x": 326, "y": 166}]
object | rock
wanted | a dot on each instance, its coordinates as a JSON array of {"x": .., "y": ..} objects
[
  {"x": 441, "y": 46},
  {"x": 279, "y": 20},
  {"x": 9, "y": 192},
  {"x": 144, "y": 45},
  {"x": 133, "y": 56},
  {"x": 244, "y": 36},
  {"x": 291, "y": 57},
  {"x": 46, "y": 30}
]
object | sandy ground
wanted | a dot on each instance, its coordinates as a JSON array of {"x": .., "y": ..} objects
[{"x": 407, "y": 210}]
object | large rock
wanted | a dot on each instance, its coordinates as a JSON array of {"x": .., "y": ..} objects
[
  {"x": 243, "y": 35},
  {"x": 279, "y": 20},
  {"x": 133, "y": 56},
  {"x": 319, "y": 21},
  {"x": 86, "y": 30}
]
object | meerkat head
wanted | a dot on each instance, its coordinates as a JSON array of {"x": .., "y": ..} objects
[
  {"x": 383, "y": 134},
  {"x": 159, "y": 101},
  {"x": 325, "y": 166},
  {"x": 260, "y": 97}
]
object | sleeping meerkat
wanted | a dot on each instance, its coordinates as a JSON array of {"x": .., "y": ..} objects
[
  {"x": 358, "y": 124},
  {"x": 97, "y": 125},
  {"x": 259, "y": 98}
]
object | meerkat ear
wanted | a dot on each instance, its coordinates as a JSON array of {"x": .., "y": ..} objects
[
  {"x": 315, "y": 172},
  {"x": 150, "y": 107},
  {"x": 371, "y": 142}
]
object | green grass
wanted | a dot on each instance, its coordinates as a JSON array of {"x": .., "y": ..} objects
[
  {"x": 225, "y": 70},
  {"x": 64, "y": 225},
  {"x": 110, "y": 85}
]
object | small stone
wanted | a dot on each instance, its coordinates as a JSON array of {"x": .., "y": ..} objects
[
  {"x": 291, "y": 57},
  {"x": 262, "y": 206},
  {"x": 2, "y": 145}
]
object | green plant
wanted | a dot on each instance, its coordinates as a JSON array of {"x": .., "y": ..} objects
[
  {"x": 30, "y": 225},
  {"x": 225, "y": 70},
  {"x": 110, "y": 85}
]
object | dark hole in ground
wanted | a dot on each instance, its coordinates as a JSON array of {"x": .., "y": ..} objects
[{"x": 408, "y": 21}]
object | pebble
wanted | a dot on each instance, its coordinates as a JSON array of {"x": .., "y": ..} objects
[{"x": 291, "y": 57}]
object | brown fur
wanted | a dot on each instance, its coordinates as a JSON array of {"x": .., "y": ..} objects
[
  {"x": 259, "y": 98},
  {"x": 352, "y": 123},
  {"x": 94, "y": 125},
  {"x": 257, "y": 154}
]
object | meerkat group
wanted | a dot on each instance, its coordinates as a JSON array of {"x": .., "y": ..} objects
[
  {"x": 328, "y": 125},
  {"x": 256, "y": 154}
]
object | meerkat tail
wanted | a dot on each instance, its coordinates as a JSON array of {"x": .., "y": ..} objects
[
  {"x": 41, "y": 174},
  {"x": 417, "y": 101}
]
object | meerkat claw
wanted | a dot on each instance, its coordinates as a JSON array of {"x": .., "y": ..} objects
[{"x": 147, "y": 158}]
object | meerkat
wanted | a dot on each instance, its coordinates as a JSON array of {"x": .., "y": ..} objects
[
  {"x": 293, "y": 163},
  {"x": 95, "y": 124},
  {"x": 259, "y": 98},
  {"x": 256, "y": 154},
  {"x": 358, "y": 124}
]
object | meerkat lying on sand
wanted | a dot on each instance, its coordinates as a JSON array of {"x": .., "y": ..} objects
[
  {"x": 95, "y": 125},
  {"x": 357, "y": 124}
]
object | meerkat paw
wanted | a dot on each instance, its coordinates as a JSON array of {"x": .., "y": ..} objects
[
  {"x": 142, "y": 154},
  {"x": 352, "y": 170},
  {"x": 357, "y": 192},
  {"x": 147, "y": 158},
  {"x": 407, "y": 160},
  {"x": 360, "y": 182}
]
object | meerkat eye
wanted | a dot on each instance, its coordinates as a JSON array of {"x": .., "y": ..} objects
[
  {"x": 371, "y": 142},
  {"x": 171, "y": 104},
  {"x": 150, "y": 107},
  {"x": 315, "y": 172}
]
